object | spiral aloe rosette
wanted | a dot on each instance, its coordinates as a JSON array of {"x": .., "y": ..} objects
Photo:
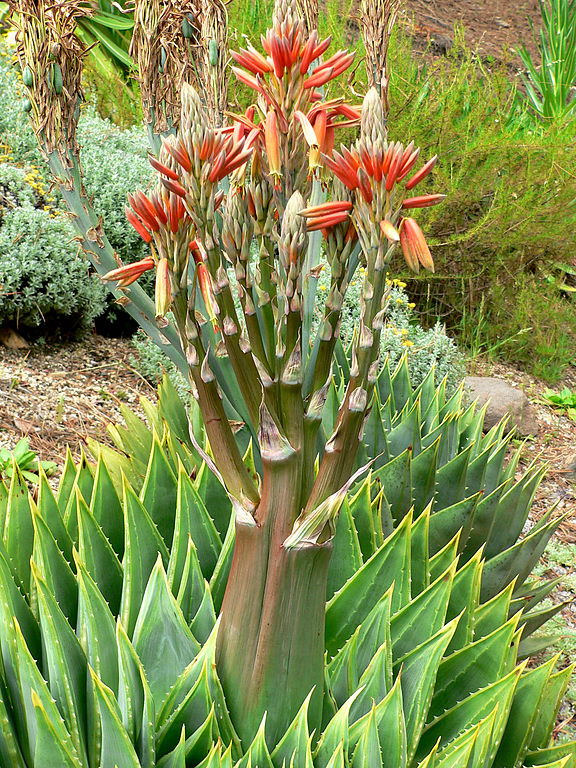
[
  {"x": 108, "y": 628},
  {"x": 427, "y": 450}
]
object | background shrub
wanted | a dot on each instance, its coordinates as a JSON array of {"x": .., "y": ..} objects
[
  {"x": 114, "y": 162},
  {"x": 42, "y": 282}
]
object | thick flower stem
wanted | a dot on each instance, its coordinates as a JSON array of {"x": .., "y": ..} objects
[{"x": 270, "y": 651}]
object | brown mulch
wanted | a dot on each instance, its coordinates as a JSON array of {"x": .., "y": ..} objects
[
  {"x": 58, "y": 395},
  {"x": 489, "y": 26}
]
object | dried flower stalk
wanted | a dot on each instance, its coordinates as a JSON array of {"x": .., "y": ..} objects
[
  {"x": 377, "y": 19},
  {"x": 51, "y": 59},
  {"x": 309, "y": 9},
  {"x": 166, "y": 47},
  {"x": 214, "y": 26}
]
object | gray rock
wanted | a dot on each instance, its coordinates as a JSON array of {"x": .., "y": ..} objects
[{"x": 503, "y": 400}]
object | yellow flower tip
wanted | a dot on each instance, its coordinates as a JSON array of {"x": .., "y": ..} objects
[
  {"x": 407, "y": 343},
  {"x": 411, "y": 305}
]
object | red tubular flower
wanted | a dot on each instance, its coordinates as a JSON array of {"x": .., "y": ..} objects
[
  {"x": 329, "y": 69},
  {"x": 145, "y": 210},
  {"x": 407, "y": 166},
  {"x": 137, "y": 224},
  {"x": 326, "y": 215},
  {"x": 178, "y": 151},
  {"x": 247, "y": 79},
  {"x": 414, "y": 246},
  {"x": 344, "y": 169},
  {"x": 174, "y": 186},
  {"x": 130, "y": 272},
  {"x": 158, "y": 166},
  {"x": 252, "y": 60},
  {"x": 395, "y": 164},
  {"x": 424, "y": 201},
  {"x": 422, "y": 173},
  {"x": 364, "y": 185}
]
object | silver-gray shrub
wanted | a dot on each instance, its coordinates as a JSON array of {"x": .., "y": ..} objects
[{"x": 43, "y": 280}]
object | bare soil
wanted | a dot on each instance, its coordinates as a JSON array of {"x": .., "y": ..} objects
[{"x": 490, "y": 27}]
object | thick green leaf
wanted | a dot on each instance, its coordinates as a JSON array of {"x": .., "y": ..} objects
[
  {"x": 257, "y": 753},
  {"x": 335, "y": 733},
  {"x": 50, "y": 513},
  {"x": 96, "y": 628},
  {"x": 18, "y": 527},
  {"x": 65, "y": 666},
  {"x": 159, "y": 491},
  {"x": 98, "y": 556},
  {"x": 219, "y": 578},
  {"x": 33, "y": 691},
  {"x": 215, "y": 499},
  {"x": 346, "y": 555},
  {"x": 473, "y": 667},
  {"x": 554, "y": 691},
  {"x": 116, "y": 749},
  {"x": 106, "y": 507},
  {"x": 54, "y": 569},
  {"x": 142, "y": 546},
  {"x": 362, "y": 511},
  {"x": 368, "y": 753},
  {"x": 350, "y": 606},
  {"x": 417, "y": 671},
  {"x": 53, "y": 747},
  {"x": 162, "y": 639},
  {"x": 472, "y": 710},
  {"x": 10, "y": 753},
  {"x": 192, "y": 519},
  {"x": 295, "y": 744},
  {"x": 204, "y": 619},
  {"x": 517, "y": 561},
  {"x": 422, "y": 617},
  {"x": 523, "y": 716}
]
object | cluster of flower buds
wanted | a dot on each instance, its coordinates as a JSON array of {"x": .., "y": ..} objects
[
  {"x": 378, "y": 172},
  {"x": 287, "y": 82}
]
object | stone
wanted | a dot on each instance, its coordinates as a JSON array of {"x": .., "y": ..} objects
[
  {"x": 503, "y": 400},
  {"x": 12, "y": 340}
]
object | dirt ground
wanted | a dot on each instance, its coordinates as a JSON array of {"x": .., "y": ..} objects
[{"x": 490, "y": 26}]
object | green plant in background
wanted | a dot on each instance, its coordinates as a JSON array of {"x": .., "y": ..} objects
[
  {"x": 43, "y": 281},
  {"x": 113, "y": 162},
  {"x": 550, "y": 82},
  {"x": 21, "y": 459},
  {"x": 564, "y": 401},
  {"x": 108, "y": 639}
]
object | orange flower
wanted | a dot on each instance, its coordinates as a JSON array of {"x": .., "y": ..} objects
[
  {"x": 271, "y": 141},
  {"x": 414, "y": 246},
  {"x": 163, "y": 291},
  {"x": 424, "y": 201},
  {"x": 326, "y": 215},
  {"x": 127, "y": 274}
]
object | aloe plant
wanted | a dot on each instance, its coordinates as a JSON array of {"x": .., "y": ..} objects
[
  {"x": 261, "y": 181},
  {"x": 428, "y": 452},
  {"x": 108, "y": 636}
]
